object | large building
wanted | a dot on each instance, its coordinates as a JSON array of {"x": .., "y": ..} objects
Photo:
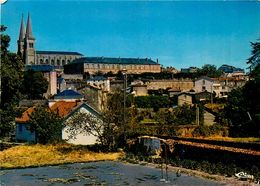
[
  {"x": 108, "y": 64},
  {"x": 30, "y": 56}
]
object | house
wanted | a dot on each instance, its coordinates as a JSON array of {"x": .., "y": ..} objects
[
  {"x": 22, "y": 132},
  {"x": 101, "y": 82},
  {"x": 186, "y": 98},
  {"x": 203, "y": 84},
  {"x": 139, "y": 90},
  {"x": 71, "y": 95},
  {"x": 65, "y": 110}
]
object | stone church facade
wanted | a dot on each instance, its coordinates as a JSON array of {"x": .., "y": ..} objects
[{"x": 30, "y": 56}]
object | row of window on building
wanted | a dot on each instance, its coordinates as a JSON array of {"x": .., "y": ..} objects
[
  {"x": 56, "y": 62},
  {"x": 119, "y": 66}
]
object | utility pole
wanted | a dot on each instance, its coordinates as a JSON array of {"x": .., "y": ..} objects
[
  {"x": 211, "y": 96},
  {"x": 124, "y": 71},
  {"x": 197, "y": 115}
]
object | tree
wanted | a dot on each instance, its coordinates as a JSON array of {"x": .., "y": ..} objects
[
  {"x": 210, "y": 71},
  {"x": 34, "y": 84},
  {"x": 243, "y": 104},
  {"x": 154, "y": 102},
  {"x": 11, "y": 81},
  {"x": 46, "y": 124},
  {"x": 85, "y": 123},
  {"x": 254, "y": 60}
]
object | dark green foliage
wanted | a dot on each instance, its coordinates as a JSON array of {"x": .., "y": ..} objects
[
  {"x": 205, "y": 131},
  {"x": 243, "y": 104},
  {"x": 154, "y": 102},
  {"x": 46, "y": 124},
  {"x": 11, "y": 82},
  {"x": 181, "y": 115},
  {"x": 254, "y": 60},
  {"x": 243, "y": 107},
  {"x": 34, "y": 84},
  {"x": 210, "y": 71}
]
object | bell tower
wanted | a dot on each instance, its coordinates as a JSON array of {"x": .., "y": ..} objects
[{"x": 29, "y": 44}]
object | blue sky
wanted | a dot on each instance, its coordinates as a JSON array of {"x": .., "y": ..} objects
[{"x": 178, "y": 33}]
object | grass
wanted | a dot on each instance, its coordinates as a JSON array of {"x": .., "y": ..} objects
[{"x": 41, "y": 155}]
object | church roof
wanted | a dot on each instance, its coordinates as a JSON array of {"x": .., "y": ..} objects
[
  {"x": 57, "y": 53},
  {"x": 110, "y": 60}
]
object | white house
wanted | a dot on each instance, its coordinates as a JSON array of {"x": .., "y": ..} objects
[
  {"x": 207, "y": 84},
  {"x": 80, "y": 136},
  {"x": 65, "y": 110}
]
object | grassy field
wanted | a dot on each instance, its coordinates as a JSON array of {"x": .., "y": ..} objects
[{"x": 40, "y": 155}]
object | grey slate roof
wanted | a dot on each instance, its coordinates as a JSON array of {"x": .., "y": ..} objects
[
  {"x": 39, "y": 68},
  {"x": 111, "y": 60},
  {"x": 68, "y": 94},
  {"x": 58, "y": 53}
]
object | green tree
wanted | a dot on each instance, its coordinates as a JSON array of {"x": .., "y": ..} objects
[
  {"x": 210, "y": 71},
  {"x": 11, "y": 81},
  {"x": 243, "y": 104},
  {"x": 34, "y": 84},
  {"x": 254, "y": 60},
  {"x": 154, "y": 102},
  {"x": 46, "y": 124}
]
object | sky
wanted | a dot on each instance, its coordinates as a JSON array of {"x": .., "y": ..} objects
[{"x": 179, "y": 33}]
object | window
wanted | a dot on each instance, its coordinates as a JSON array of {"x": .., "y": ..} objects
[
  {"x": 63, "y": 62},
  {"x": 203, "y": 88},
  {"x": 68, "y": 61},
  {"x": 52, "y": 62},
  {"x": 30, "y": 45},
  {"x": 47, "y": 61},
  {"x": 58, "y": 62},
  {"x": 41, "y": 61}
]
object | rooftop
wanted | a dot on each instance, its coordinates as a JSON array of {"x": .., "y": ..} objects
[
  {"x": 40, "y": 68},
  {"x": 25, "y": 116},
  {"x": 63, "y": 108},
  {"x": 110, "y": 60},
  {"x": 68, "y": 94},
  {"x": 58, "y": 53}
]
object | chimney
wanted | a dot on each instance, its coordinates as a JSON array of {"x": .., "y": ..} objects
[{"x": 157, "y": 61}]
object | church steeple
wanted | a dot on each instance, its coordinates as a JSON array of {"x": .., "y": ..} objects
[
  {"x": 28, "y": 33},
  {"x": 20, "y": 41},
  {"x": 29, "y": 41},
  {"x": 21, "y": 34}
]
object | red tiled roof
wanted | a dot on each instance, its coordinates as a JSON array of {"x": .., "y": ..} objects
[
  {"x": 63, "y": 108},
  {"x": 25, "y": 116}
]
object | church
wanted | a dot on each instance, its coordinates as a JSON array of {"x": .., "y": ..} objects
[
  {"x": 76, "y": 63},
  {"x": 31, "y": 56}
]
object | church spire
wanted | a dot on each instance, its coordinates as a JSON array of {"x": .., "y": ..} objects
[
  {"x": 28, "y": 33},
  {"x": 21, "y": 34}
]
